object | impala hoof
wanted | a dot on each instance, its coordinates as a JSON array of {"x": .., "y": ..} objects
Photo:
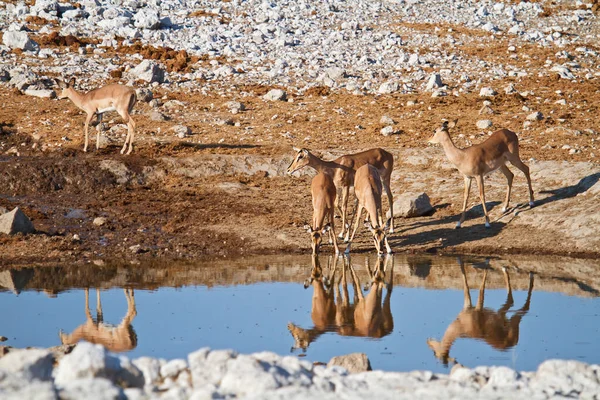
[
  {"x": 504, "y": 209},
  {"x": 487, "y": 225},
  {"x": 457, "y": 225},
  {"x": 531, "y": 204}
]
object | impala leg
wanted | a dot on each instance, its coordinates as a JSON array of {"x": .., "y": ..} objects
[
  {"x": 345, "y": 193},
  {"x": 525, "y": 169},
  {"x": 509, "y": 180},
  {"x": 99, "y": 313},
  {"x": 390, "y": 196},
  {"x": 88, "y": 119},
  {"x": 465, "y": 201},
  {"x": 509, "y": 296},
  {"x": 479, "y": 180},
  {"x": 131, "y": 125},
  {"x": 332, "y": 232},
  {"x": 98, "y": 131},
  {"x": 88, "y": 314},
  {"x": 466, "y": 292},
  {"x": 351, "y": 220},
  {"x": 357, "y": 216}
]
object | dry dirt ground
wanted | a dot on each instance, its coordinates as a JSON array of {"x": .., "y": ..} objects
[{"x": 228, "y": 213}]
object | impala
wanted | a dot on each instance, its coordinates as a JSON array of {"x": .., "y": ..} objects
[
  {"x": 367, "y": 186},
  {"x": 323, "y": 200},
  {"x": 481, "y": 159},
  {"x": 115, "y": 338},
  {"x": 483, "y": 323},
  {"x": 113, "y": 97},
  {"x": 342, "y": 170}
]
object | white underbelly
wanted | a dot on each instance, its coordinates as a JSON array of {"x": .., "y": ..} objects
[{"x": 103, "y": 110}]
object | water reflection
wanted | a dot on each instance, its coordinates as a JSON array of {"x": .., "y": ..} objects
[
  {"x": 494, "y": 327},
  {"x": 118, "y": 338},
  {"x": 332, "y": 310}
]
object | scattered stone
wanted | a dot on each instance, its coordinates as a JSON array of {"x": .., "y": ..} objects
[
  {"x": 148, "y": 71},
  {"x": 144, "y": 94},
  {"x": 275, "y": 95},
  {"x": 535, "y": 116},
  {"x": 42, "y": 93},
  {"x": 335, "y": 73},
  {"x": 90, "y": 388},
  {"x": 435, "y": 81},
  {"x": 173, "y": 368},
  {"x": 388, "y": 87},
  {"x": 100, "y": 221},
  {"x": 385, "y": 120},
  {"x": 19, "y": 40},
  {"x": 157, "y": 116},
  {"x": 150, "y": 368},
  {"x": 181, "y": 131},
  {"x": 484, "y": 124},
  {"x": 410, "y": 205},
  {"x": 486, "y": 109},
  {"x": 147, "y": 18},
  {"x": 235, "y": 106},
  {"x": 28, "y": 364},
  {"x": 354, "y": 363},
  {"x": 563, "y": 72},
  {"x": 487, "y": 92},
  {"x": 389, "y": 130},
  {"x": 510, "y": 89},
  {"x": 15, "y": 222}
]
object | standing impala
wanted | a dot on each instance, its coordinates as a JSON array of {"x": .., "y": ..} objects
[
  {"x": 323, "y": 200},
  {"x": 342, "y": 170},
  {"x": 113, "y": 97},
  {"x": 481, "y": 159},
  {"x": 367, "y": 186}
]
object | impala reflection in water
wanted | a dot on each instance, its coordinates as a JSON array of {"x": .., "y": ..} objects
[
  {"x": 332, "y": 310},
  {"x": 494, "y": 327}
]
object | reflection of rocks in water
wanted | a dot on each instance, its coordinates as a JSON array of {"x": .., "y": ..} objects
[
  {"x": 420, "y": 268},
  {"x": 115, "y": 338},
  {"x": 367, "y": 315},
  {"x": 15, "y": 280},
  {"x": 478, "y": 322}
]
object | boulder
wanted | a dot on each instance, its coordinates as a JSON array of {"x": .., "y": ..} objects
[
  {"x": 435, "y": 81},
  {"x": 89, "y": 361},
  {"x": 42, "y": 93},
  {"x": 28, "y": 364},
  {"x": 144, "y": 94},
  {"x": 388, "y": 87},
  {"x": 355, "y": 362},
  {"x": 181, "y": 131},
  {"x": 484, "y": 124},
  {"x": 148, "y": 71},
  {"x": 487, "y": 92},
  {"x": 90, "y": 388},
  {"x": 146, "y": 18},
  {"x": 150, "y": 368},
  {"x": 209, "y": 367},
  {"x": 19, "y": 40},
  {"x": 410, "y": 205},
  {"x": 275, "y": 95},
  {"x": 15, "y": 222}
]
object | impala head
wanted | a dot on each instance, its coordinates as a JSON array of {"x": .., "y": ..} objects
[
  {"x": 301, "y": 160},
  {"x": 316, "y": 273},
  {"x": 316, "y": 236},
  {"x": 378, "y": 233},
  {"x": 66, "y": 87},
  {"x": 441, "y": 131},
  {"x": 440, "y": 353},
  {"x": 302, "y": 337}
]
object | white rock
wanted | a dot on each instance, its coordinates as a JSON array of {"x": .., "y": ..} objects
[
  {"x": 148, "y": 71},
  {"x": 564, "y": 72},
  {"x": 209, "y": 367},
  {"x": 146, "y": 18},
  {"x": 28, "y": 364},
  {"x": 173, "y": 368},
  {"x": 275, "y": 95},
  {"x": 335, "y": 73},
  {"x": 19, "y": 40},
  {"x": 385, "y": 120},
  {"x": 388, "y": 130},
  {"x": 15, "y": 222},
  {"x": 99, "y": 221},
  {"x": 90, "y": 388},
  {"x": 181, "y": 131},
  {"x": 410, "y": 205},
  {"x": 43, "y": 93},
  {"x": 150, "y": 368},
  {"x": 388, "y": 87},
  {"x": 487, "y": 92},
  {"x": 354, "y": 363},
  {"x": 535, "y": 116},
  {"x": 246, "y": 376},
  {"x": 144, "y": 94},
  {"x": 435, "y": 81},
  {"x": 484, "y": 124}
]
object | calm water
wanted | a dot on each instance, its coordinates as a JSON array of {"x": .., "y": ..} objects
[{"x": 407, "y": 308}]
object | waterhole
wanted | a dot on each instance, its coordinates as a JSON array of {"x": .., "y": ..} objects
[{"x": 404, "y": 312}]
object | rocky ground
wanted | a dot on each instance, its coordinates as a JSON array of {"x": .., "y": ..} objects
[{"x": 88, "y": 371}]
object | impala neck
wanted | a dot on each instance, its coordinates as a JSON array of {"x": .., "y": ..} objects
[
  {"x": 319, "y": 164},
  {"x": 75, "y": 97},
  {"x": 453, "y": 153}
]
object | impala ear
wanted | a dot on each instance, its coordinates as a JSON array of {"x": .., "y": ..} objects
[
  {"x": 453, "y": 123},
  {"x": 71, "y": 82},
  {"x": 59, "y": 83}
]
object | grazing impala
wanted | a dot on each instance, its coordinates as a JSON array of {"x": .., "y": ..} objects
[
  {"x": 478, "y": 322},
  {"x": 481, "y": 159},
  {"x": 366, "y": 316},
  {"x": 367, "y": 186},
  {"x": 342, "y": 170},
  {"x": 113, "y": 97},
  {"x": 323, "y": 200},
  {"x": 115, "y": 338}
]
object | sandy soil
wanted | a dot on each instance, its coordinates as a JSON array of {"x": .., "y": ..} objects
[{"x": 44, "y": 171}]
